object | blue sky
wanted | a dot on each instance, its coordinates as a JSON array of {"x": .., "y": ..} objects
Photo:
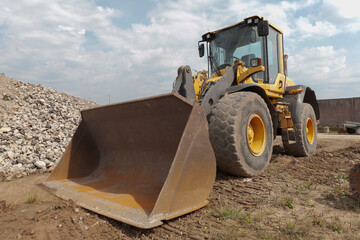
[{"x": 131, "y": 49}]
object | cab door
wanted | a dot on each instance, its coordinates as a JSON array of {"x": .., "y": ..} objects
[{"x": 275, "y": 84}]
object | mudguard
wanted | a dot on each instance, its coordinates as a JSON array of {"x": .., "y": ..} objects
[{"x": 296, "y": 99}]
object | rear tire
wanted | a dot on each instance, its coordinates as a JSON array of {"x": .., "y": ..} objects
[
  {"x": 305, "y": 134},
  {"x": 241, "y": 133}
]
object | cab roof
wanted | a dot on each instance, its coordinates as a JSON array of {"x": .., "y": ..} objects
[{"x": 240, "y": 23}]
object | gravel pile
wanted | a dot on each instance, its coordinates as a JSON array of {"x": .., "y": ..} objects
[{"x": 36, "y": 124}]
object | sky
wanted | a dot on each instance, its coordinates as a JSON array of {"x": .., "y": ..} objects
[{"x": 117, "y": 50}]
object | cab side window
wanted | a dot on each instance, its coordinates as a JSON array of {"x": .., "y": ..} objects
[{"x": 273, "y": 54}]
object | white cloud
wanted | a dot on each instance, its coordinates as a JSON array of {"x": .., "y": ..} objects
[
  {"x": 74, "y": 45},
  {"x": 77, "y": 33},
  {"x": 297, "y": 5},
  {"x": 343, "y": 13},
  {"x": 325, "y": 70},
  {"x": 47, "y": 40},
  {"x": 346, "y": 8},
  {"x": 320, "y": 29}
]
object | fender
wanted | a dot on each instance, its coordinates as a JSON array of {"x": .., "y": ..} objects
[
  {"x": 307, "y": 95},
  {"x": 261, "y": 92}
]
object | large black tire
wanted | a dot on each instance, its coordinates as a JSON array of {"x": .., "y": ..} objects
[
  {"x": 305, "y": 134},
  {"x": 241, "y": 133}
]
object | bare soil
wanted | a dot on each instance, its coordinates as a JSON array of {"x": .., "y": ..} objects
[{"x": 296, "y": 198}]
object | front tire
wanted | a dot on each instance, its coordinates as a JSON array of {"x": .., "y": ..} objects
[
  {"x": 305, "y": 134},
  {"x": 241, "y": 134}
]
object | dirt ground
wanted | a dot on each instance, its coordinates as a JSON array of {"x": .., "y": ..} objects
[{"x": 296, "y": 198}]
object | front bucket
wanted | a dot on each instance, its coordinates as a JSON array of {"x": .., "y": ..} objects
[{"x": 139, "y": 162}]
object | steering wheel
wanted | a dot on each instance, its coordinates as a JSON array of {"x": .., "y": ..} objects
[{"x": 223, "y": 66}]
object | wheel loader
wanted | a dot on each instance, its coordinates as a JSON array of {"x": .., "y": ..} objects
[{"x": 153, "y": 159}]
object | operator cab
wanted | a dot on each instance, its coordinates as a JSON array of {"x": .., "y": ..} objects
[{"x": 253, "y": 41}]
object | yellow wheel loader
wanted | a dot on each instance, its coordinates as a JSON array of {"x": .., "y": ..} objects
[{"x": 149, "y": 160}]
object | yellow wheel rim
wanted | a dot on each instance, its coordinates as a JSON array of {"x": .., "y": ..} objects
[
  {"x": 310, "y": 130},
  {"x": 256, "y": 134}
]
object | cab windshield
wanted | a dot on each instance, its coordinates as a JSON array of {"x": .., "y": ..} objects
[{"x": 237, "y": 43}]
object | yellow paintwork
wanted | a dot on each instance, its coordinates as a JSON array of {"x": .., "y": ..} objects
[
  {"x": 295, "y": 91},
  {"x": 221, "y": 71},
  {"x": 256, "y": 134},
  {"x": 289, "y": 82},
  {"x": 275, "y": 90},
  {"x": 246, "y": 75},
  {"x": 199, "y": 79}
]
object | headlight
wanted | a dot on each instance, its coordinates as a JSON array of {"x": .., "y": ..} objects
[{"x": 254, "y": 62}]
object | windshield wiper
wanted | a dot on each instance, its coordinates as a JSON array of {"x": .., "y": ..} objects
[{"x": 215, "y": 65}]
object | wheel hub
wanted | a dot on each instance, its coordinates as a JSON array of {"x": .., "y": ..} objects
[
  {"x": 256, "y": 134},
  {"x": 310, "y": 130},
  {"x": 250, "y": 134}
]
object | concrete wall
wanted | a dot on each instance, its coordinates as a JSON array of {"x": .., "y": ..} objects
[{"x": 334, "y": 111}]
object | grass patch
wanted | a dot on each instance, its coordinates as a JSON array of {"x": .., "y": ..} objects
[
  {"x": 336, "y": 228},
  {"x": 307, "y": 203},
  {"x": 340, "y": 192},
  {"x": 32, "y": 198},
  {"x": 318, "y": 221},
  {"x": 289, "y": 204},
  {"x": 230, "y": 234},
  {"x": 233, "y": 214},
  {"x": 304, "y": 188},
  {"x": 296, "y": 229},
  {"x": 336, "y": 194},
  {"x": 355, "y": 205},
  {"x": 340, "y": 177}
]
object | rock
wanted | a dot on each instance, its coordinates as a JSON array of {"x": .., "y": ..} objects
[
  {"x": 11, "y": 155},
  {"x": 40, "y": 164},
  {"x": 5, "y": 129},
  {"x": 37, "y": 123}
]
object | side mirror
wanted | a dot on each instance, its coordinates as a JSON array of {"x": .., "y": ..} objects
[
  {"x": 201, "y": 50},
  {"x": 263, "y": 28}
]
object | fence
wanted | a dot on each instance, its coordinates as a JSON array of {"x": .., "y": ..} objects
[{"x": 335, "y": 111}]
